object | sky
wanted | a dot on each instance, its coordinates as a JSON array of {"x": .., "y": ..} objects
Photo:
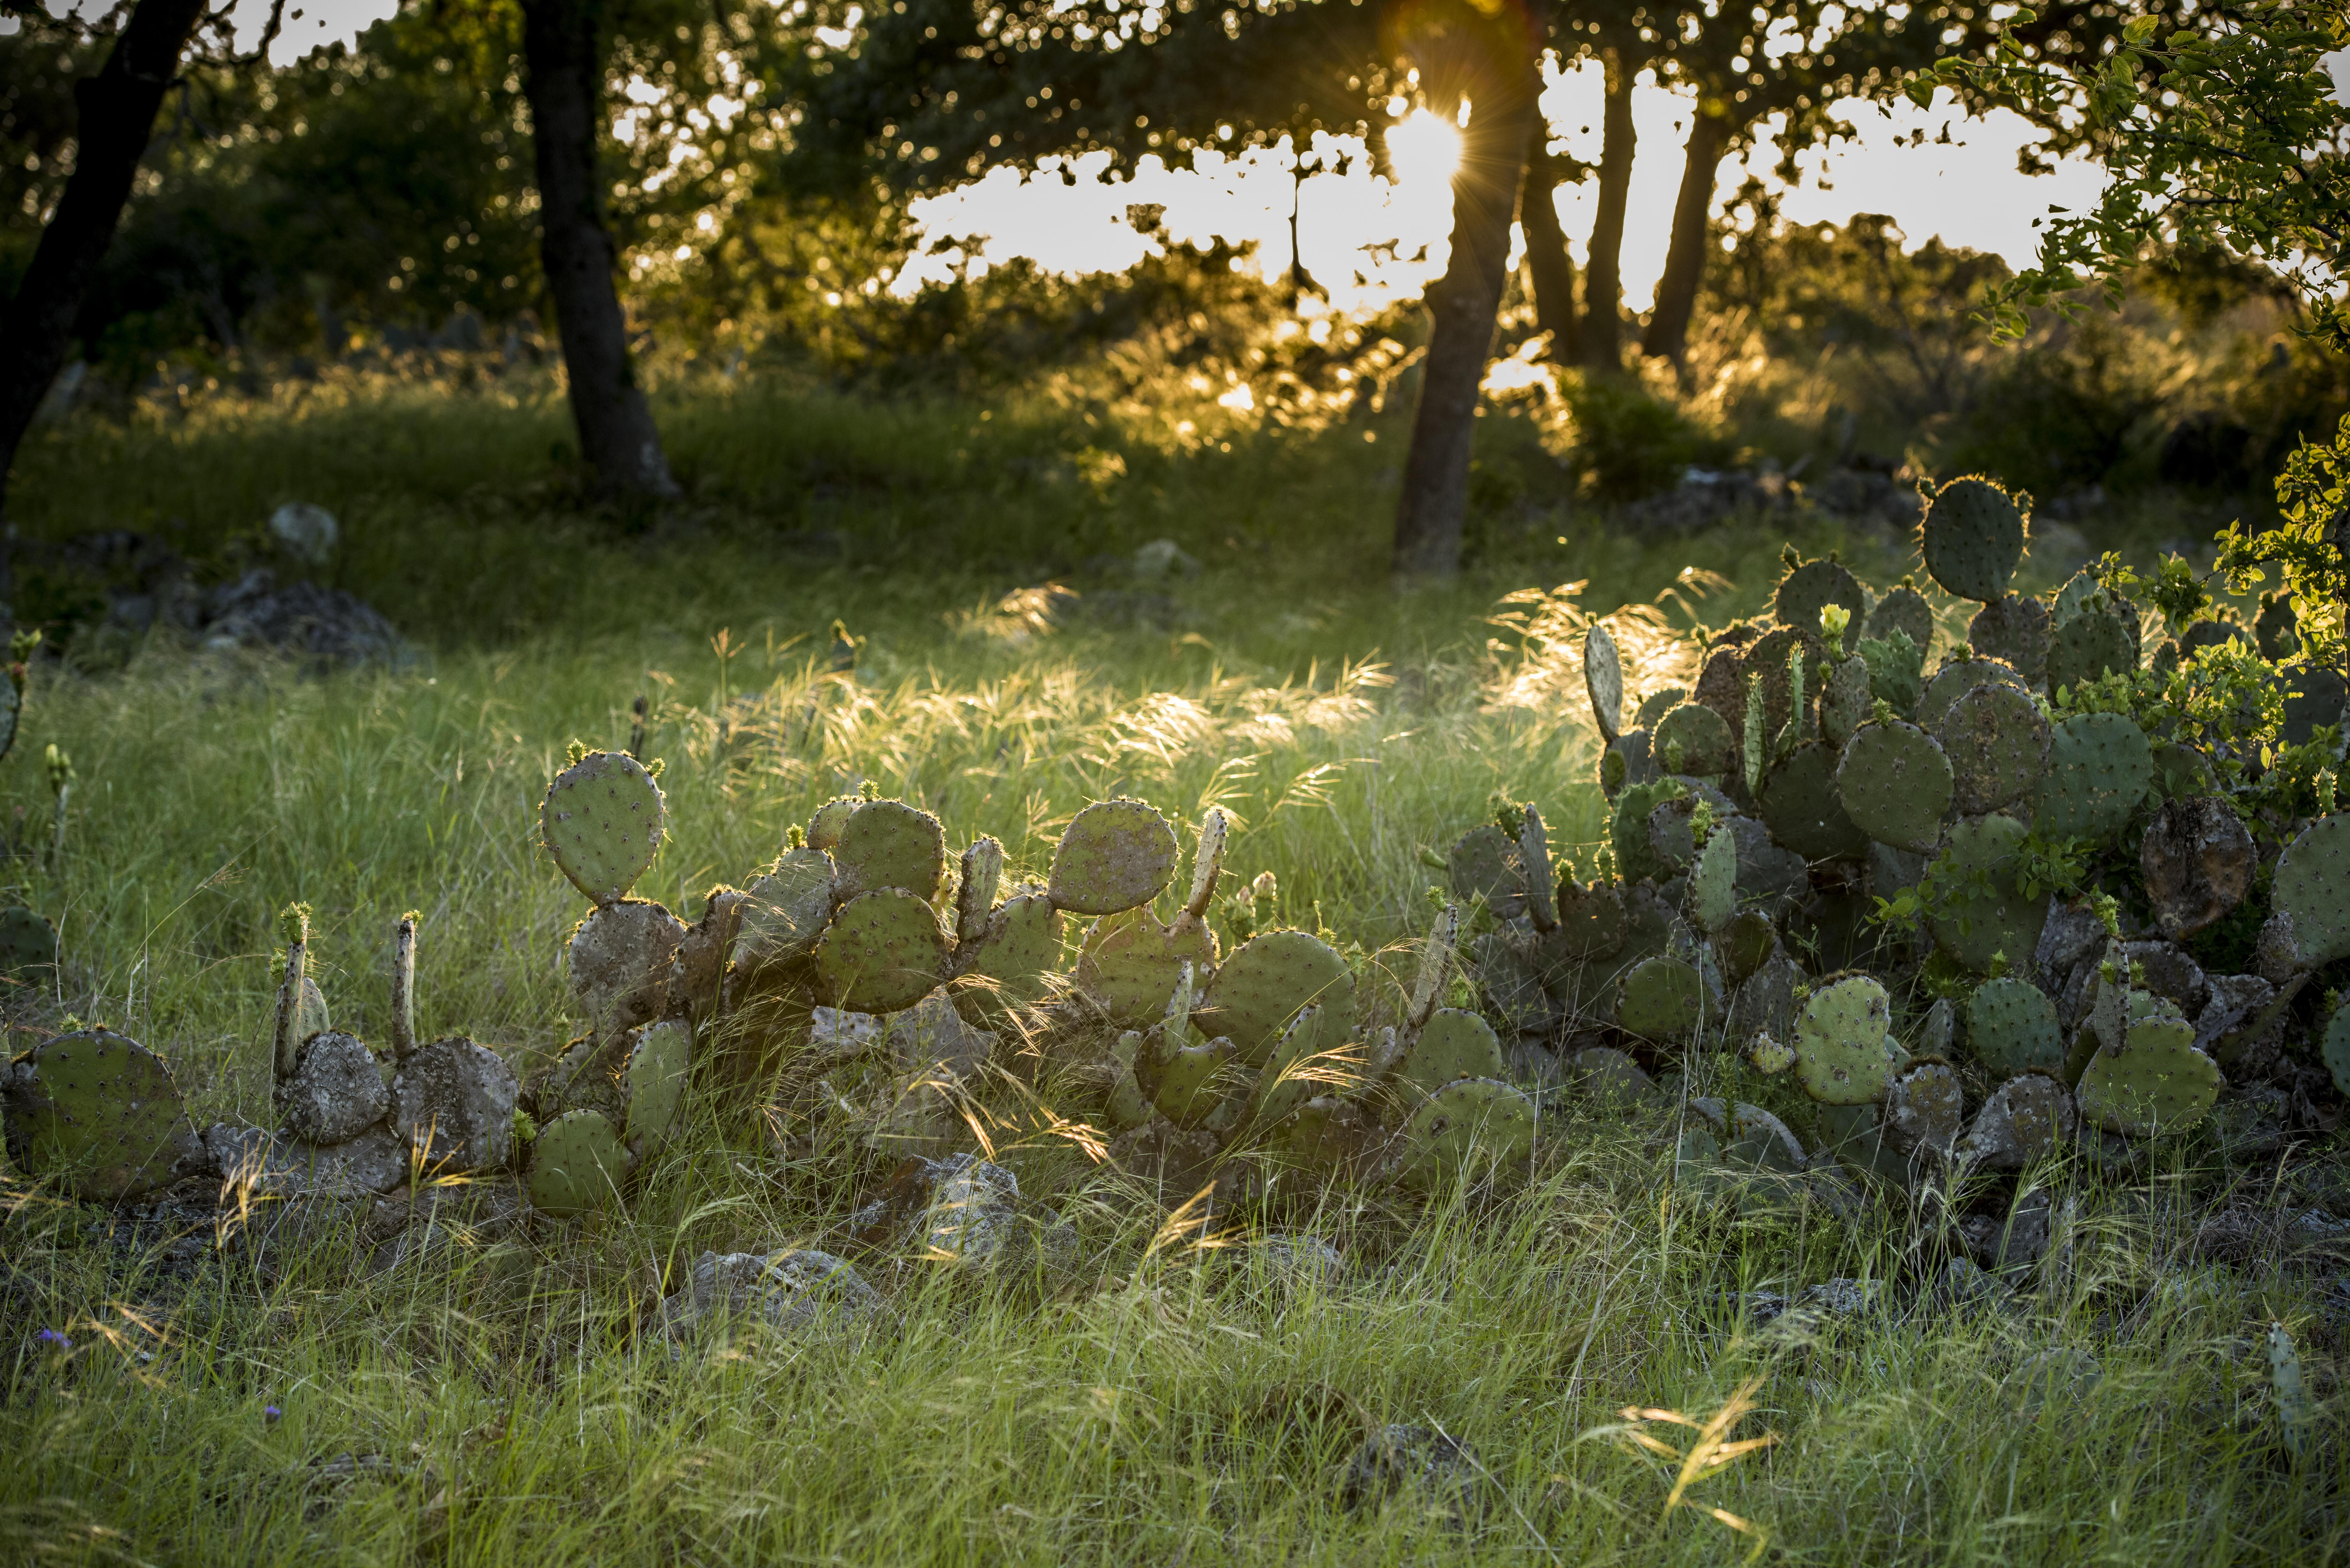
[{"x": 1368, "y": 242}]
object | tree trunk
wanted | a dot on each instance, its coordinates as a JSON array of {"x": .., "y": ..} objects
[
  {"x": 114, "y": 115},
  {"x": 1549, "y": 264},
  {"x": 1603, "y": 276},
  {"x": 1463, "y": 306},
  {"x": 563, "y": 46},
  {"x": 1668, "y": 334}
]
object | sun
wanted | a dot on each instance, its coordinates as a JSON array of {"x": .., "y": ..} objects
[{"x": 1424, "y": 150}]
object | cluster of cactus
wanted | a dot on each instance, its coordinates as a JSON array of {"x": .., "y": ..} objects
[{"x": 1821, "y": 773}]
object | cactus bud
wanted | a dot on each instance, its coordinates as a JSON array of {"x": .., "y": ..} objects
[
  {"x": 575, "y": 750},
  {"x": 653, "y": 768},
  {"x": 795, "y": 836},
  {"x": 868, "y": 790},
  {"x": 1834, "y": 619}
]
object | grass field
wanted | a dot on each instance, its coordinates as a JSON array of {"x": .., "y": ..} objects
[{"x": 1182, "y": 1402}]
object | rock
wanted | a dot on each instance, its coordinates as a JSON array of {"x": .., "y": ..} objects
[
  {"x": 1963, "y": 1287},
  {"x": 2170, "y": 972},
  {"x": 1759, "y": 1309},
  {"x": 454, "y": 1101},
  {"x": 2233, "y": 998},
  {"x": 791, "y": 1291},
  {"x": 326, "y": 625},
  {"x": 2015, "y": 1245},
  {"x": 931, "y": 1034},
  {"x": 337, "y": 1091},
  {"x": 280, "y": 1167},
  {"x": 1163, "y": 558},
  {"x": 973, "y": 1206},
  {"x": 2251, "y": 1122},
  {"x": 2073, "y": 932},
  {"x": 1440, "y": 1471},
  {"x": 1837, "y": 1298},
  {"x": 2197, "y": 860},
  {"x": 835, "y": 1031},
  {"x": 442, "y": 1221},
  {"x": 1176, "y": 1161},
  {"x": 309, "y": 533},
  {"x": 968, "y": 1211},
  {"x": 2248, "y": 1237},
  {"x": 2028, "y": 1117},
  {"x": 1297, "y": 1260}
]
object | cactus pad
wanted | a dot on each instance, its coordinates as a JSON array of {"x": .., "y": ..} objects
[
  {"x": 659, "y": 1058},
  {"x": 1130, "y": 962},
  {"x": 1984, "y": 912},
  {"x": 889, "y": 843},
  {"x": 623, "y": 960},
  {"x": 2197, "y": 859},
  {"x": 1811, "y": 587},
  {"x": 1903, "y": 609},
  {"x": 576, "y": 1164},
  {"x": 1895, "y": 783},
  {"x": 883, "y": 952},
  {"x": 95, "y": 1108},
  {"x": 1769, "y": 663},
  {"x": 1603, "y": 678},
  {"x": 337, "y": 1091},
  {"x": 1801, "y": 807},
  {"x": 1924, "y": 1107},
  {"x": 602, "y": 820},
  {"x": 785, "y": 910},
  {"x": 1627, "y": 760},
  {"x": 2313, "y": 886},
  {"x": 2014, "y": 628},
  {"x": 830, "y": 820},
  {"x": 1287, "y": 1081},
  {"x": 2099, "y": 769},
  {"x": 1660, "y": 999},
  {"x": 1713, "y": 885},
  {"x": 1694, "y": 740},
  {"x": 1972, "y": 538},
  {"x": 1845, "y": 705},
  {"x": 1188, "y": 1090},
  {"x": 1954, "y": 680},
  {"x": 453, "y": 1102},
  {"x": 2089, "y": 645},
  {"x": 1115, "y": 856},
  {"x": 2335, "y": 1048},
  {"x": 1592, "y": 921},
  {"x": 29, "y": 943},
  {"x": 1454, "y": 1044},
  {"x": 2157, "y": 1082},
  {"x": 1259, "y": 989},
  {"x": 2027, "y": 1119},
  {"x": 1997, "y": 739},
  {"x": 1465, "y": 1128},
  {"x": 1485, "y": 863},
  {"x": 1842, "y": 1054},
  {"x": 2013, "y": 1027},
  {"x": 1010, "y": 964}
]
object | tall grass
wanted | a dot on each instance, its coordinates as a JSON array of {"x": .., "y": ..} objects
[{"x": 1176, "y": 1401}]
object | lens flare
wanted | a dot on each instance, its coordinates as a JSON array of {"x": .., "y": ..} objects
[{"x": 1424, "y": 150}]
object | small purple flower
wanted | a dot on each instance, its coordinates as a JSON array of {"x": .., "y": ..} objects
[
  {"x": 271, "y": 1412},
  {"x": 53, "y": 1339}
]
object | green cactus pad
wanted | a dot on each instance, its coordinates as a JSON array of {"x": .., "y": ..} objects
[
  {"x": 1896, "y": 673},
  {"x": 1259, "y": 989},
  {"x": 1454, "y": 1044},
  {"x": 1128, "y": 962},
  {"x": 889, "y": 843},
  {"x": 2313, "y": 886},
  {"x": 1769, "y": 662},
  {"x": 2335, "y": 1048},
  {"x": 1844, "y": 1055},
  {"x": 310, "y": 1016},
  {"x": 622, "y": 960},
  {"x": 96, "y": 1109},
  {"x": 1127, "y": 1105},
  {"x": 1997, "y": 739},
  {"x": 1855, "y": 1137},
  {"x": 1592, "y": 920},
  {"x": 1011, "y": 966},
  {"x": 883, "y": 952},
  {"x": 1905, "y": 610},
  {"x": 602, "y": 820},
  {"x": 1485, "y": 864},
  {"x": 1811, "y": 587},
  {"x": 2157, "y": 1082},
  {"x": 1466, "y": 1128},
  {"x": 29, "y": 943},
  {"x": 1982, "y": 916},
  {"x": 1954, "y": 680},
  {"x": 1800, "y": 806},
  {"x": 1285, "y": 1084},
  {"x": 1713, "y": 885},
  {"x": 785, "y": 910},
  {"x": 576, "y": 1164},
  {"x": 1189, "y": 1088},
  {"x": 1895, "y": 783},
  {"x": 1116, "y": 855},
  {"x": 1627, "y": 760},
  {"x": 2099, "y": 769},
  {"x": 831, "y": 820},
  {"x": 1745, "y": 945},
  {"x": 2089, "y": 645},
  {"x": 1696, "y": 737},
  {"x": 1846, "y": 703},
  {"x": 2013, "y": 1027},
  {"x": 2014, "y": 628},
  {"x": 1972, "y": 538},
  {"x": 659, "y": 1058},
  {"x": 982, "y": 876},
  {"x": 2029, "y": 1118},
  {"x": 1925, "y": 1106},
  {"x": 1603, "y": 678},
  {"x": 1659, "y": 998}
]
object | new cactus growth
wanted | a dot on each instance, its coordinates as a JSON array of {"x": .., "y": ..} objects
[
  {"x": 403, "y": 988},
  {"x": 95, "y": 1110},
  {"x": 982, "y": 872},
  {"x": 1972, "y": 538},
  {"x": 602, "y": 821},
  {"x": 1116, "y": 855},
  {"x": 1895, "y": 783}
]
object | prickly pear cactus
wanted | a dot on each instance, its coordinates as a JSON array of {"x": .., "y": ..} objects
[
  {"x": 1287, "y": 1079},
  {"x": 883, "y": 952},
  {"x": 1954, "y": 680},
  {"x": 1713, "y": 885},
  {"x": 2029, "y": 1118},
  {"x": 2099, "y": 769},
  {"x": 1259, "y": 989},
  {"x": 830, "y": 820},
  {"x": 2312, "y": 889},
  {"x": 1905, "y": 610},
  {"x": 1896, "y": 785},
  {"x": 2156, "y": 1082},
  {"x": 1190, "y": 1087},
  {"x": 2196, "y": 858},
  {"x": 785, "y": 910},
  {"x": 1116, "y": 855},
  {"x": 1465, "y": 1128},
  {"x": 95, "y": 1110},
  {"x": 1453, "y": 1044},
  {"x": 1846, "y": 703},
  {"x": 1694, "y": 740},
  {"x": 1972, "y": 538},
  {"x": 1803, "y": 809},
  {"x": 2013, "y": 1027},
  {"x": 623, "y": 962},
  {"x": 576, "y": 1164},
  {"x": 2335, "y": 1047},
  {"x": 1812, "y": 587},
  {"x": 1012, "y": 964},
  {"x": 1925, "y": 1107},
  {"x": 1128, "y": 962},
  {"x": 1484, "y": 863},
  {"x": 602, "y": 820},
  {"x": 658, "y": 1059},
  {"x": 1984, "y": 913},
  {"x": 337, "y": 1092},
  {"x": 1997, "y": 741},
  {"x": 2014, "y": 628},
  {"x": 453, "y": 1102},
  {"x": 889, "y": 843},
  {"x": 1843, "y": 1055},
  {"x": 1603, "y": 678},
  {"x": 29, "y": 943},
  {"x": 1659, "y": 998},
  {"x": 2090, "y": 644},
  {"x": 2296, "y": 1410}
]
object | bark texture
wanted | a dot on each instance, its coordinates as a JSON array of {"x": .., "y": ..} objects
[
  {"x": 114, "y": 114},
  {"x": 1550, "y": 267},
  {"x": 563, "y": 47},
  {"x": 1668, "y": 333},
  {"x": 1602, "y": 277}
]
